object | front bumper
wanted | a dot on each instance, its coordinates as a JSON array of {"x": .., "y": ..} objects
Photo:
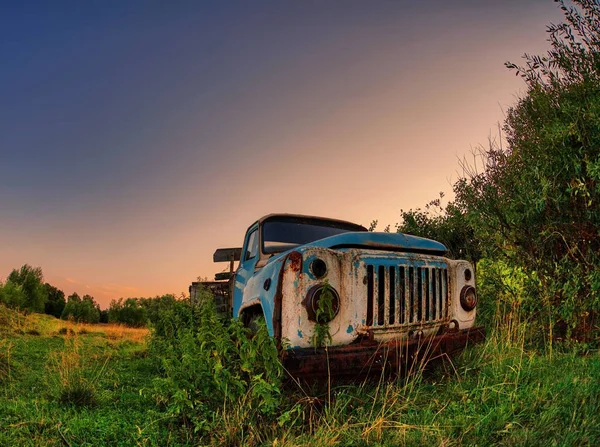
[{"x": 368, "y": 356}]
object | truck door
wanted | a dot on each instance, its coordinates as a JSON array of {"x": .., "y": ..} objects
[{"x": 248, "y": 261}]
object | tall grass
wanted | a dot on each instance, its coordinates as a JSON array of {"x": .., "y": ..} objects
[
  {"x": 205, "y": 382},
  {"x": 504, "y": 391},
  {"x": 73, "y": 376}
]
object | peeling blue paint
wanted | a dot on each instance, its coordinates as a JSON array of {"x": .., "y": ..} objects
[
  {"x": 363, "y": 321},
  {"x": 350, "y": 329},
  {"x": 300, "y": 335}
]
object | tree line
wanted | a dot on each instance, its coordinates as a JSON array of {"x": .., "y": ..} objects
[{"x": 24, "y": 289}]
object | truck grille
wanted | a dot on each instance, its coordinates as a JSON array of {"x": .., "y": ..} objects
[{"x": 399, "y": 295}]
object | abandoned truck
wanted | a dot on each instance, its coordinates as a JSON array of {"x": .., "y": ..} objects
[{"x": 384, "y": 299}]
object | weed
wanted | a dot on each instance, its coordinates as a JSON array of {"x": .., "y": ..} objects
[
  {"x": 74, "y": 377},
  {"x": 324, "y": 314},
  {"x": 5, "y": 349},
  {"x": 213, "y": 374}
]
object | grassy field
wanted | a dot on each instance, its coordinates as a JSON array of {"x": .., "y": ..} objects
[{"x": 65, "y": 384}]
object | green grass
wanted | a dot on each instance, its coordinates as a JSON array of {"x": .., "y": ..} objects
[{"x": 494, "y": 394}]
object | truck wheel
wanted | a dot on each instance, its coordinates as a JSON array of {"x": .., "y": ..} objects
[{"x": 255, "y": 322}]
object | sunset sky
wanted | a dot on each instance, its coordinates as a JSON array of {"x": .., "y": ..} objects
[{"x": 136, "y": 137}]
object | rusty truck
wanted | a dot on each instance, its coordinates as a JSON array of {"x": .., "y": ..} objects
[{"x": 391, "y": 298}]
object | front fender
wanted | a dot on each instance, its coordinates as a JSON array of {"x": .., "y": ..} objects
[{"x": 264, "y": 288}]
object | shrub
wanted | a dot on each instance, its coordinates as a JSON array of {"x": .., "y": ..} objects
[{"x": 214, "y": 373}]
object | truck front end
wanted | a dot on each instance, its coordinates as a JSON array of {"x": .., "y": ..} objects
[{"x": 384, "y": 308}]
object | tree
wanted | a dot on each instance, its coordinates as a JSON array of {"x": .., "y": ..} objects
[
  {"x": 537, "y": 202},
  {"x": 31, "y": 281},
  {"x": 81, "y": 310},
  {"x": 12, "y": 295},
  {"x": 56, "y": 301},
  {"x": 448, "y": 225},
  {"x": 129, "y": 312}
]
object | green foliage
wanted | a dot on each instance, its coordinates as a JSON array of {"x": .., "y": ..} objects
[
  {"x": 81, "y": 310},
  {"x": 56, "y": 301},
  {"x": 12, "y": 295},
  {"x": 534, "y": 205},
  {"x": 25, "y": 289},
  {"x": 129, "y": 312},
  {"x": 214, "y": 371},
  {"x": 72, "y": 377},
  {"x": 324, "y": 314},
  {"x": 5, "y": 362},
  {"x": 539, "y": 200},
  {"x": 157, "y": 305},
  {"x": 446, "y": 224},
  {"x": 138, "y": 312},
  {"x": 497, "y": 393}
]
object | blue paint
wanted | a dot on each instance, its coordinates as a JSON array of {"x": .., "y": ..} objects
[
  {"x": 300, "y": 335},
  {"x": 350, "y": 329},
  {"x": 380, "y": 240},
  {"x": 363, "y": 321}
]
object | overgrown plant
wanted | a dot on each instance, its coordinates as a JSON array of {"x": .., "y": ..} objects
[
  {"x": 5, "y": 361},
  {"x": 532, "y": 199},
  {"x": 323, "y": 315},
  {"x": 215, "y": 372},
  {"x": 74, "y": 377}
]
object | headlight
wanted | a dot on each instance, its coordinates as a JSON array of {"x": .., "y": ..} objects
[
  {"x": 468, "y": 298},
  {"x": 322, "y": 303},
  {"x": 318, "y": 268}
]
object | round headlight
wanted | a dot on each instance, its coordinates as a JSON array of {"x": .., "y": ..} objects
[
  {"x": 322, "y": 303},
  {"x": 468, "y": 298},
  {"x": 318, "y": 267}
]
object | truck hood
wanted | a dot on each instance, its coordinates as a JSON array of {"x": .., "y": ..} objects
[{"x": 398, "y": 242}]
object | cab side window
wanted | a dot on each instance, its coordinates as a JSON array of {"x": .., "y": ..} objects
[{"x": 252, "y": 247}]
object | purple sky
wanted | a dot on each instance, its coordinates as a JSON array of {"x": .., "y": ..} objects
[{"x": 138, "y": 136}]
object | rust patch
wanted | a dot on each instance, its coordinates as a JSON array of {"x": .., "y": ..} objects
[
  {"x": 296, "y": 266},
  {"x": 295, "y": 261},
  {"x": 368, "y": 356}
]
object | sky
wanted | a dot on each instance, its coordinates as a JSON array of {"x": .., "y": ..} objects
[{"x": 136, "y": 137}]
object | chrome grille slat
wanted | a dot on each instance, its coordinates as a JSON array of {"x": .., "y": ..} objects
[{"x": 406, "y": 294}]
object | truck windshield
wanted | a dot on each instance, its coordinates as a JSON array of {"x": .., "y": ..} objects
[{"x": 285, "y": 234}]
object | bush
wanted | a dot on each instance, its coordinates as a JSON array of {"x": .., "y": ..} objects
[{"x": 214, "y": 373}]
